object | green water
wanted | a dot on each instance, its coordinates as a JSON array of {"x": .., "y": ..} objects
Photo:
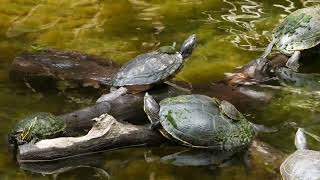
[{"x": 230, "y": 33}]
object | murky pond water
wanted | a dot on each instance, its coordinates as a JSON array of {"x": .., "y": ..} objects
[{"x": 230, "y": 33}]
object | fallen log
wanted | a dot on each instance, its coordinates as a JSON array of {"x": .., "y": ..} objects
[
  {"x": 62, "y": 69},
  {"x": 106, "y": 134},
  {"x": 128, "y": 107}
]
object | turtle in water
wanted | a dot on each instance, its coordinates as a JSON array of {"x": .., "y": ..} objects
[
  {"x": 145, "y": 70},
  {"x": 200, "y": 121},
  {"x": 303, "y": 164},
  {"x": 36, "y": 127},
  {"x": 299, "y": 31}
]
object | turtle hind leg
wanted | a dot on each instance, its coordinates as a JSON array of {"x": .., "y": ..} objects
[{"x": 293, "y": 61}]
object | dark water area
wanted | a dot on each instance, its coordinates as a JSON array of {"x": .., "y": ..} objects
[{"x": 230, "y": 34}]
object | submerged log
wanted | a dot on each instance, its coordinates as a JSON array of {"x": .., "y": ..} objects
[{"x": 62, "y": 68}]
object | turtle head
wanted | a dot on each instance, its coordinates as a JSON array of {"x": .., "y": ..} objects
[
  {"x": 300, "y": 140},
  {"x": 19, "y": 137},
  {"x": 188, "y": 46},
  {"x": 151, "y": 108}
]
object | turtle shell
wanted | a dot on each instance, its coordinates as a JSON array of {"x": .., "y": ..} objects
[
  {"x": 300, "y": 30},
  {"x": 197, "y": 121},
  {"x": 40, "y": 125},
  {"x": 149, "y": 68},
  {"x": 302, "y": 165}
]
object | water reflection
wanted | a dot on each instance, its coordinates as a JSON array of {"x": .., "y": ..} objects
[
  {"x": 240, "y": 19},
  {"x": 288, "y": 7},
  {"x": 149, "y": 12}
]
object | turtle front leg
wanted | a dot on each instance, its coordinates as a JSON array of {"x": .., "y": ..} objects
[
  {"x": 114, "y": 94},
  {"x": 268, "y": 50},
  {"x": 34, "y": 140},
  {"x": 293, "y": 61}
]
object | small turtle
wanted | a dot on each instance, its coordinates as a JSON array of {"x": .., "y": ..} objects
[
  {"x": 145, "y": 70},
  {"x": 200, "y": 121},
  {"x": 36, "y": 127},
  {"x": 299, "y": 31},
  {"x": 303, "y": 164}
]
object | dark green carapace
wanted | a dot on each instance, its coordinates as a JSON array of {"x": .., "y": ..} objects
[{"x": 200, "y": 121}]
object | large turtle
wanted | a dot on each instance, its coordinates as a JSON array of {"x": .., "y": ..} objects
[
  {"x": 299, "y": 31},
  {"x": 303, "y": 164},
  {"x": 36, "y": 127},
  {"x": 200, "y": 121},
  {"x": 145, "y": 70}
]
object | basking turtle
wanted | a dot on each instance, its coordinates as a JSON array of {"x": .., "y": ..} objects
[
  {"x": 145, "y": 70},
  {"x": 303, "y": 164},
  {"x": 36, "y": 127},
  {"x": 299, "y": 31},
  {"x": 200, "y": 121}
]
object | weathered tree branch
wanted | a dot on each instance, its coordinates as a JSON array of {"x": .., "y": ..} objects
[
  {"x": 124, "y": 108},
  {"x": 106, "y": 134}
]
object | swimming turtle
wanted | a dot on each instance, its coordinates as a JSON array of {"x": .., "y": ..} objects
[
  {"x": 300, "y": 30},
  {"x": 145, "y": 70},
  {"x": 199, "y": 121},
  {"x": 36, "y": 127},
  {"x": 303, "y": 164}
]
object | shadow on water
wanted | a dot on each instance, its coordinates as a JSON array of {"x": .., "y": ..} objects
[{"x": 231, "y": 33}]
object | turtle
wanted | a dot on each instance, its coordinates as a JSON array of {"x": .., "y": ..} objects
[
  {"x": 146, "y": 70},
  {"x": 35, "y": 127},
  {"x": 303, "y": 164},
  {"x": 299, "y": 31},
  {"x": 199, "y": 121}
]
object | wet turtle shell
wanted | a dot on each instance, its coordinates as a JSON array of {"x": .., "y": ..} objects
[
  {"x": 149, "y": 68},
  {"x": 38, "y": 126},
  {"x": 302, "y": 165},
  {"x": 299, "y": 31},
  {"x": 197, "y": 121}
]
